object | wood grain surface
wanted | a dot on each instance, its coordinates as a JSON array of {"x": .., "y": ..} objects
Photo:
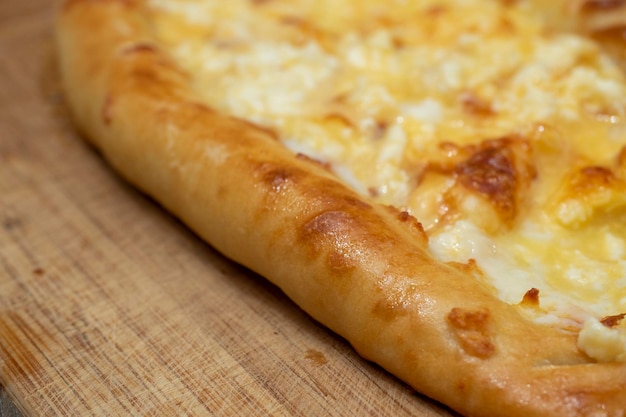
[{"x": 109, "y": 306}]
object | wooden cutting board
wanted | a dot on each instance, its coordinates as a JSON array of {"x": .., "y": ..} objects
[{"x": 109, "y": 306}]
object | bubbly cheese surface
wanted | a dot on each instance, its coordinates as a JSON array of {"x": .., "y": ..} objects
[{"x": 499, "y": 127}]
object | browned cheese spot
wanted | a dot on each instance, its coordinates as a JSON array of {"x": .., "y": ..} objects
[
  {"x": 591, "y": 178},
  {"x": 530, "y": 298},
  {"x": 476, "y": 106},
  {"x": 490, "y": 172},
  {"x": 494, "y": 172},
  {"x": 612, "y": 321},
  {"x": 498, "y": 171},
  {"x": 600, "y": 190},
  {"x": 471, "y": 329}
]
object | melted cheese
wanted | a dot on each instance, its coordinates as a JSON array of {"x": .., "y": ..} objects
[{"x": 374, "y": 88}]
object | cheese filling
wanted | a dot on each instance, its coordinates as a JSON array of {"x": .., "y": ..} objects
[{"x": 502, "y": 133}]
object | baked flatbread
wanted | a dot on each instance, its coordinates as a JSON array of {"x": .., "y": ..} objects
[{"x": 441, "y": 183}]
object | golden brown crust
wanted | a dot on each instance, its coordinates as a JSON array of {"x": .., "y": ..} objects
[{"x": 361, "y": 269}]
